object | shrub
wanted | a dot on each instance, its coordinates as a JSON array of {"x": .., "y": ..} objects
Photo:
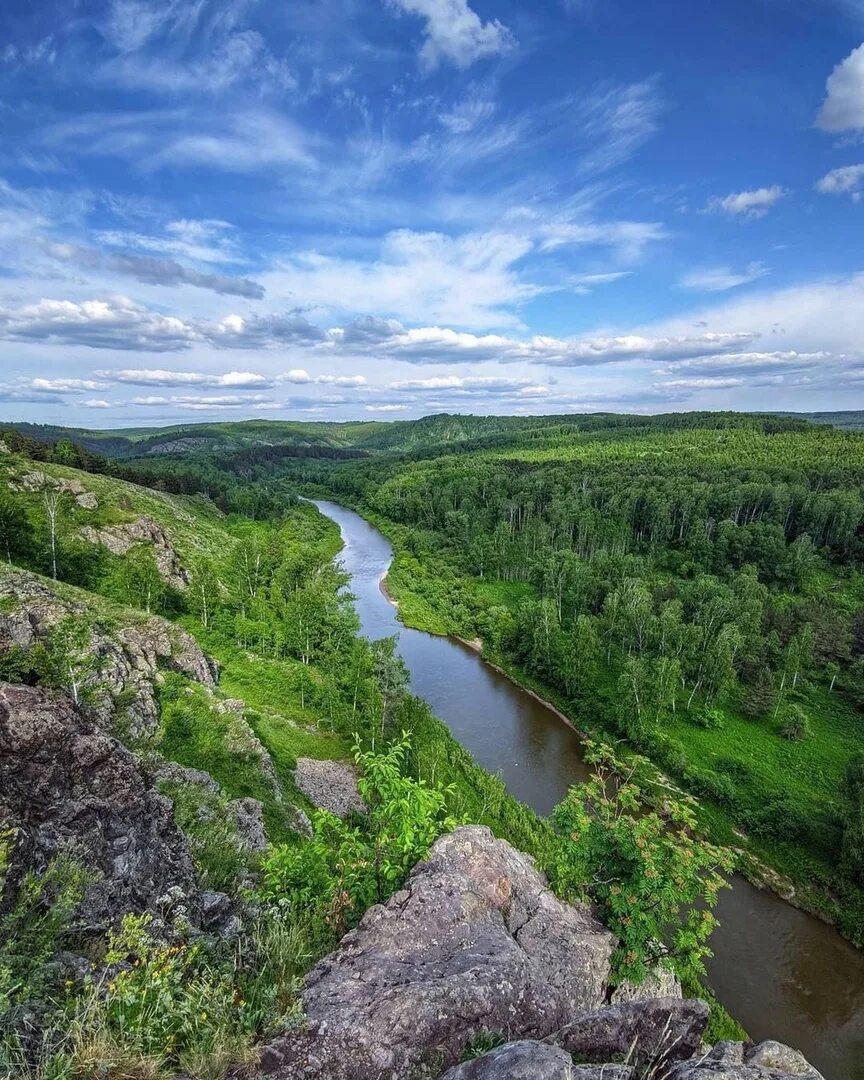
[
  {"x": 344, "y": 868},
  {"x": 654, "y": 882}
]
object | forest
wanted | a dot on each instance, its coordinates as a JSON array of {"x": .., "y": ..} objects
[{"x": 688, "y": 584}]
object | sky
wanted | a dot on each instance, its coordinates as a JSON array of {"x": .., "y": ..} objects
[{"x": 381, "y": 209}]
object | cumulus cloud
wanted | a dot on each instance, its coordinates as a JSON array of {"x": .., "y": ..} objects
[
  {"x": 161, "y": 377},
  {"x": 748, "y": 204},
  {"x": 207, "y": 402},
  {"x": 114, "y": 323},
  {"x": 847, "y": 180},
  {"x": 455, "y": 33},
  {"x": 721, "y": 278},
  {"x": 843, "y": 108},
  {"x": 263, "y": 331},
  {"x": 68, "y": 386}
]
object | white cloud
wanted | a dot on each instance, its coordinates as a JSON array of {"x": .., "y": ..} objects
[
  {"x": 387, "y": 407},
  {"x": 749, "y": 363},
  {"x": 721, "y": 278},
  {"x": 616, "y": 120},
  {"x": 847, "y": 180},
  {"x": 470, "y": 280},
  {"x": 153, "y": 271},
  {"x": 72, "y": 386},
  {"x": 161, "y": 377},
  {"x": 241, "y": 142},
  {"x": 96, "y": 403},
  {"x": 114, "y": 323},
  {"x": 748, "y": 204},
  {"x": 455, "y": 32},
  {"x": 843, "y": 108},
  {"x": 207, "y": 402},
  {"x": 480, "y": 386}
]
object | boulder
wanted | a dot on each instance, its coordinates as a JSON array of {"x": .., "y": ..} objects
[
  {"x": 524, "y": 1060},
  {"x": 67, "y": 787},
  {"x": 475, "y": 941},
  {"x": 532, "y": 1060},
  {"x": 654, "y": 1031},
  {"x": 330, "y": 785},
  {"x": 739, "y": 1061}
]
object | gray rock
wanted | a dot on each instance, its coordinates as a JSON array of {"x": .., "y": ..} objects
[
  {"x": 122, "y": 664},
  {"x": 525, "y": 1060},
  {"x": 298, "y": 821},
  {"x": 475, "y": 941},
  {"x": 329, "y": 785},
  {"x": 661, "y": 983},
  {"x": 40, "y": 481},
  {"x": 779, "y": 1058},
  {"x": 172, "y": 773},
  {"x": 120, "y": 539},
  {"x": 65, "y": 786},
  {"x": 736, "y": 1061},
  {"x": 659, "y": 1030},
  {"x": 248, "y": 815}
]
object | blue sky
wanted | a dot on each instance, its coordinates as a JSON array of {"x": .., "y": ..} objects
[{"x": 344, "y": 209}]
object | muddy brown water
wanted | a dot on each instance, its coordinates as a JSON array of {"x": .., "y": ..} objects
[{"x": 781, "y": 973}]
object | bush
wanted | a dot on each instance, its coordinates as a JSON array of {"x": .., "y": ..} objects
[
  {"x": 344, "y": 868},
  {"x": 794, "y": 724},
  {"x": 653, "y": 881},
  {"x": 711, "y": 719}
]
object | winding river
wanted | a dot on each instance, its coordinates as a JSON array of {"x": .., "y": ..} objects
[{"x": 780, "y": 972}]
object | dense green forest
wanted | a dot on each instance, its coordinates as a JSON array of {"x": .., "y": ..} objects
[
  {"x": 250, "y": 573},
  {"x": 690, "y": 584}
]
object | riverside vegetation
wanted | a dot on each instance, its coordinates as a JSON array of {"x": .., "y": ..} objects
[
  {"x": 688, "y": 584},
  {"x": 109, "y": 593}
]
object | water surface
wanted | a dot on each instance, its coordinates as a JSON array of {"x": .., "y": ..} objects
[{"x": 781, "y": 973}]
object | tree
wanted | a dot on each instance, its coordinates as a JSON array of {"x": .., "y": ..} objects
[
  {"x": 390, "y": 674},
  {"x": 654, "y": 882},
  {"x": 16, "y": 535}
]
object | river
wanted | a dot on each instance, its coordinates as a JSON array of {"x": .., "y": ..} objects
[{"x": 781, "y": 973}]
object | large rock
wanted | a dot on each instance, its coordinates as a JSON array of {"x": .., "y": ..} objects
[
  {"x": 36, "y": 480},
  {"x": 65, "y": 786},
  {"x": 329, "y": 785},
  {"x": 120, "y": 539},
  {"x": 114, "y": 667},
  {"x": 475, "y": 941},
  {"x": 532, "y": 1060},
  {"x": 739, "y": 1061},
  {"x": 656, "y": 1031}
]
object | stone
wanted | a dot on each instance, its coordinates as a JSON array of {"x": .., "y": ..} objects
[
  {"x": 330, "y": 785},
  {"x": 298, "y": 822},
  {"x": 121, "y": 664},
  {"x": 660, "y": 983},
  {"x": 737, "y": 1061},
  {"x": 474, "y": 942},
  {"x": 779, "y": 1058},
  {"x": 120, "y": 539},
  {"x": 524, "y": 1060},
  {"x": 248, "y": 817},
  {"x": 658, "y": 1030},
  {"x": 36, "y": 480},
  {"x": 67, "y": 787}
]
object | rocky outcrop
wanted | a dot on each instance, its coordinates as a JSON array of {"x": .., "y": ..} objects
[
  {"x": 330, "y": 785},
  {"x": 653, "y": 1031},
  {"x": 120, "y": 539},
  {"x": 116, "y": 666},
  {"x": 66, "y": 787},
  {"x": 248, "y": 816},
  {"x": 36, "y": 480},
  {"x": 741, "y": 1061},
  {"x": 475, "y": 941}
]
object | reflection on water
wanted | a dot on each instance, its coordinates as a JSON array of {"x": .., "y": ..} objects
[{"x": 781, "y": 973}]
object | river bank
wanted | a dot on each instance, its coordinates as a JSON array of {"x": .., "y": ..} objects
[{"x": 776, "y": 969}]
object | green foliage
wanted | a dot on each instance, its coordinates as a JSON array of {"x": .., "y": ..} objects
[
  {"x": 654, "y": 882},
  {"x": 36, "y": 924},
  {"x": 345, "y": 867}
]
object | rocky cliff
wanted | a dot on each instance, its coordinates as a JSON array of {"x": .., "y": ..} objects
[{"x": 477, "y": 946}]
